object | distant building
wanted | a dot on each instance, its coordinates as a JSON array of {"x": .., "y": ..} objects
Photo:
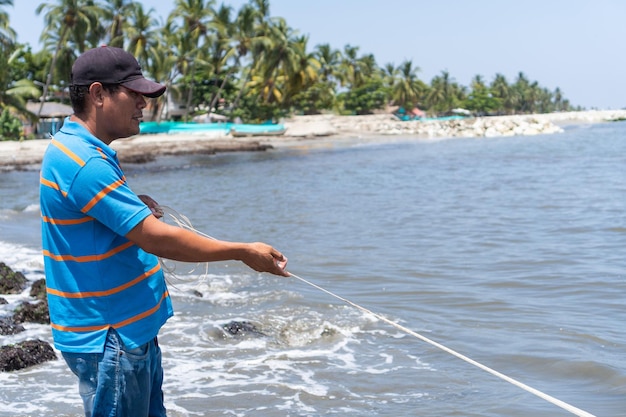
[{"x": 50, "y": 119}]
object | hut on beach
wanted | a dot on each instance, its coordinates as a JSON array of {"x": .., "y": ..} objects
[{"x": 50, "y": 119}]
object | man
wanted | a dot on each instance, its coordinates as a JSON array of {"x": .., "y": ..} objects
[{"x": 106, "y": 290}]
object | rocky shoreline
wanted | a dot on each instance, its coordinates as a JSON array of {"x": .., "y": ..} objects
[
  {"x": 27, "y": 353},
  {"x": 34, "y": 309},
  {"x": 493, "y": 126},
  {"x": 317, "y": 129}
]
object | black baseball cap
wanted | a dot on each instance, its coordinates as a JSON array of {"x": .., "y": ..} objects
[{"x": 110, "y": 65}]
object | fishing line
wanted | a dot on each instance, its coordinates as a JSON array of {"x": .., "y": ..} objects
[
  {"x": 549, "y": 398},
  {"x": 184, "y": 222}
]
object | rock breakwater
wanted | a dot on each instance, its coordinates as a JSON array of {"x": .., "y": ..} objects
[{"x": 385, "y": 124}]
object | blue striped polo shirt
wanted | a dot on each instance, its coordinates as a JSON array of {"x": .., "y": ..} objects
[{"x": 96, "y": 278}]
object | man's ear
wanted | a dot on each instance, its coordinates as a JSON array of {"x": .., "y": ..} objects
[{"x": 96, "y": 93}]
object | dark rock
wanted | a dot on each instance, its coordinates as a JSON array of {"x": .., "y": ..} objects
[
  {"x": 11, "y": 282},
  {"x": 242, "y": 329},
  {"x": 327, "y": 332},
  {"x": 3, "y": 301},
  {"x": 38, "y": 289},
  {"x": 32, "y": 312},
  {"x": 25, "y": 354},
  {"x": 9, "y": 326}
]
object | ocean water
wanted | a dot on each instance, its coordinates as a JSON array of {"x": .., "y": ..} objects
[{"x": 510, "y": 251}]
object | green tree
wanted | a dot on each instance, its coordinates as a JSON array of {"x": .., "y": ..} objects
[
  {"x": 480, "y": 99},
  {"x": 355, "y": 71},
  {"x": 329, "y": 60},
  {"x": 253, "y": 28},
  {"x": 223, "y": 50},
  {"x": 68, "y": 21},
  {"x": 204, "y": 53},
  {"x": 10, "y": 126},
  {"x": 520, "y": 92},
  {"x": 277, "y": 60},
  {"x": 190, "y": 22},
  {"x": 116, "y": 15},
  {"x": 15, "y": 91},
  {"x": 501, "y": 91},
  {"x": 444, "y": 94},
  {"x": 7, "y": 34},
  {"x": 407, "y": 89},
  {"x": 363, "y": 100},
  {"x": 142, "y": 34},
  {"x": 161, "y": 65},
  {"x": 304, "y": 73}
]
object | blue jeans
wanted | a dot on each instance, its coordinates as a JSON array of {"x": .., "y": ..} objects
[{"x": 120, "y": 382}]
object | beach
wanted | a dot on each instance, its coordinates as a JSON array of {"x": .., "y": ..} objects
[{"x": 317, "y": 129}]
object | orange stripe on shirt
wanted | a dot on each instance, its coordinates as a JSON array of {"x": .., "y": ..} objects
[
  {"x": 79, "y": 329},
  {"x": 66, "y": 222},
  {"x": 102, "y": 154},
  {"x": 52, "y": 185},
  {"x": 87, "y": 258},
  {"x": 106, "y": 190},
  {"x": 142, "y": 315},
  {"x": 49, "y": 183},
  {"x": 68, "y": 152},
  {"x": 112, "y": 291},
  {"x": 115, "y": 326}
]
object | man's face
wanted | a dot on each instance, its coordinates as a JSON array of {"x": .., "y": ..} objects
[{"x": 123, "y": 111}]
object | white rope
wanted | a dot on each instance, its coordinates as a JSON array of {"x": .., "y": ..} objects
[
  {"x": 555, "y": 401},
  {"x": 181, "y": 221},
  {"x": 184, "y": 222}
]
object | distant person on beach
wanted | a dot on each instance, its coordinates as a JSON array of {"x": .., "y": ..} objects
[{"x": 101, "y": 242}]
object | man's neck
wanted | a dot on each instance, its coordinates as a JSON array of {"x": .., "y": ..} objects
[{"x": 89, "y": 124}]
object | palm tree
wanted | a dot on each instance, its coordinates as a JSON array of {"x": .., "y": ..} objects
[
  {"x": 501, "y": 90},
  {"x": 354, "y": 70},
  {"x": 190, "y": 21},
  {"x": 558, "y": 100},
  {"x": 68, "y": 20},
  {"x": 142, "y": 35},
  {"x": 306, "y": 69},
  {"x": 144, "y": 42},
  {"x": 223, "y": 49},
  {"x": 13, "y": 94},
  {"x": 368, "y": 67},
  {"x": 390, "y": 75},
  {"x": 439, "y": 94},
  {"x": 279, "y": 60},
  {"x": 7, "y": 34},
  {"x": 481, "y": 99},
  {"x": 445, "y": 93},
  {"x": 477, "y": 83},
  {"x": 162, "y": 67},
  {"x": 407, "y": 89},
  {"x": 250, "y": 38},
  {"x": 329, "y": 60},
  {"x": 520, "y": 91},
  {"x": 116, "y": 15}
]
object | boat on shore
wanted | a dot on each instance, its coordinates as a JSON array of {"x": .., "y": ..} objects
[
  {"x": 242, "y": 130},
  {"x": 234, "y": 129}
]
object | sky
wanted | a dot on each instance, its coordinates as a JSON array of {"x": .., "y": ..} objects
[{"x": 574, "y": 45}]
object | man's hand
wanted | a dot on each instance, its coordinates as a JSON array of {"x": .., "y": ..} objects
[
  {"x": 179, "y": 244},
  {"x": 264, "y": 258}
]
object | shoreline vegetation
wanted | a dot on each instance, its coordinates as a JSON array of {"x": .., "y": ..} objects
[
  {"x": 317, "y": 130},
  {"x": 244, "y": 64}
]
